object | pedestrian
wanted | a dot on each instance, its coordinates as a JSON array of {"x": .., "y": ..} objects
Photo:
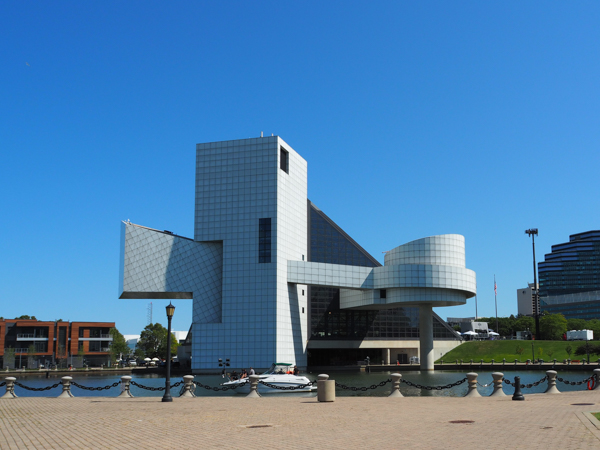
[{"x": 251, "y": 371}]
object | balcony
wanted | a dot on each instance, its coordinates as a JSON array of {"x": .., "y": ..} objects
[
  {"x": 101, "y": 337},
  {"x": 31, "y": 337}
]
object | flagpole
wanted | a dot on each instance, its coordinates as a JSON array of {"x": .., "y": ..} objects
[
  {"x": 476, "y": 301},
  {"x": 496, "y": 301}
]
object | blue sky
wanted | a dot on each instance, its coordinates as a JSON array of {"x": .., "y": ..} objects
[{"x": 416, "y": 119}]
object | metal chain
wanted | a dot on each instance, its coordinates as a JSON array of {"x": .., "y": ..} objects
[
  {"x": 224, "y": 388},
  {"x": 485, "y": 385},
  {"x": 87, "y": 388},
  {"x": 575, "y": 383},
  {"x": 37, "y": 389},
  {"x": 434, "y": 388},
  {"x": 148, "y": 388},
  {"x": 288, "y": 388},
  {"x": 362, "y": 388},
  {"x": 528, "y": 386},
  {"x": 3, "y": 383}
]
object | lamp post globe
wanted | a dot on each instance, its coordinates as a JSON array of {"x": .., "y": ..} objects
[{"x": 167, "y": 397}]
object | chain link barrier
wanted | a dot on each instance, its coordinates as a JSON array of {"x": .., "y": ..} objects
[
  {"x": 526, "y": 386},
  {"x": 3, "y": 383},
  {"x": 576, "y": 383},
  {"x": 87, "y": 388},
  {"x": 47, "y": 388},
  {"x": 148, "y": 388},
  {"x": 362, "y": 388},
  {"x": 222, "y": 388},
  {"x": 288, "y": 388},
  {"x": 434, "y": 388},
  {"x": 484, "y": 385}
]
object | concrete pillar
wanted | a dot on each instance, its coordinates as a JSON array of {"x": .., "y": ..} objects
[
  {"x": 188, "y": 386},
  {"x": 396, "y": 378},
  {"x": 498, "y": 380},
  {"x": 325, "y": 389},
  {"x": 253, "y": 387},
  {"x": 386, "y": 356},
  {"x": 426, "y": 337},
  {"x": 10, "y": 388},
  {"x": 552, "y": 389},
  {"x": 125, "y": 386},
  {"x": 66, "y": 387},
  {"x": 472, "y": 380}
]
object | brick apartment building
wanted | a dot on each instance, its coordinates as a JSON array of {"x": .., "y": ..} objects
[{"x": 37, "y": 343}]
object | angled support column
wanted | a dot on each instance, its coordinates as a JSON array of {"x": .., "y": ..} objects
[{"x": 426, "y": 337}]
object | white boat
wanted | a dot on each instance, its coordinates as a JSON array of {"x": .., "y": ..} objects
[{"x": 277, "y": 376}]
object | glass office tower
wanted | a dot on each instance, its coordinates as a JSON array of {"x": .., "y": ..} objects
[{"x": 570, "y": 277}]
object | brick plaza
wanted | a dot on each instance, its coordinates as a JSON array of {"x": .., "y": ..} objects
[{"x": 540, "y": 422}]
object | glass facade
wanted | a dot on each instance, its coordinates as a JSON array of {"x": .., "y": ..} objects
[
  {"x": 572, "y": 267},
  {"x": 330, "y": 244},
  {"x": 583, "y": 310}
]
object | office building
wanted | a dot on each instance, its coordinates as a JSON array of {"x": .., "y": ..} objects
[
  {"x": 569, "y": 277},
  {"x": 526, "y": 301},
  {"x": 272, "y": 278}
]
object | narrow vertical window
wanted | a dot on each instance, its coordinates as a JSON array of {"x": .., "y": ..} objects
[
  {"x": 284, "y": 160},
  {"x": 264, "y": 240}
]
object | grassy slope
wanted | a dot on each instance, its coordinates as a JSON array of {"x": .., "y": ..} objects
[{"x": 496, "y": 350}]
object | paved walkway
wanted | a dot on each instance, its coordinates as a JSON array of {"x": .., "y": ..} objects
[{"x": 540, "y": 422}]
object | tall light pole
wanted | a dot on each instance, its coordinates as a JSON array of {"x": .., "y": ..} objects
[
  {"x": 536, "y": 303},
  {"x": 167, "y": 397}
]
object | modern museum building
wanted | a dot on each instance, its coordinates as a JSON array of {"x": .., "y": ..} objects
[{"x": 273, "y": 279}]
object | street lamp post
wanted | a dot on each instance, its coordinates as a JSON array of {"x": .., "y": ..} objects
[
  {"x": 167, "y": 397},
  {"x": 534, "y": 232}
]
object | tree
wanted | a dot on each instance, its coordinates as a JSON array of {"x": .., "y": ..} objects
[
  {"x": 519, "y": 351},
  {"x": 153, "y": 341},
  {"x": 524, "y": 323},
  {"x": 9, "y": 357},
  {"x": 594, "y": 325},
  {"x": 139, "y": 353},
  {"x": 576, "y": 324},
  {"x": 61, "y": 354},
  {"x": 553, "y": 326},
  {"x": 583, "y": 349},
  {"x": 118, "y": 346},
  {"x": 25, "y": 317}
]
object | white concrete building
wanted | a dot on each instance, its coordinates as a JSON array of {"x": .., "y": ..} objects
[
  {"x": 526, "y": 300},
  {"x": 269, "y": 273}
]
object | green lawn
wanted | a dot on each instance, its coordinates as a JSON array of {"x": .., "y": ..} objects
[{"x": 497, "y": 350}]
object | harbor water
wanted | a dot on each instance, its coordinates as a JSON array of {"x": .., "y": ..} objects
[{"x": 349, "y": 379}]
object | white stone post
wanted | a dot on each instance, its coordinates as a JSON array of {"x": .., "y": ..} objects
[
  {"x": 10, "y": 388},
  {"x": 66, "y": 387},
  {"x": 253, "y": 387},
  {"x": 498, "y": 380},
  {"x": 426, "y": 337},
  {"x": 325, "y": 389},
  {"x": 472, "y": 380},
  {"x": 126, "y": 386},
  {"x": 188, "y": 386},
  {"x": 552, "y": 389},
  {"x": 597, "y": 373},
  {"x": 396, "y": 379}
]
